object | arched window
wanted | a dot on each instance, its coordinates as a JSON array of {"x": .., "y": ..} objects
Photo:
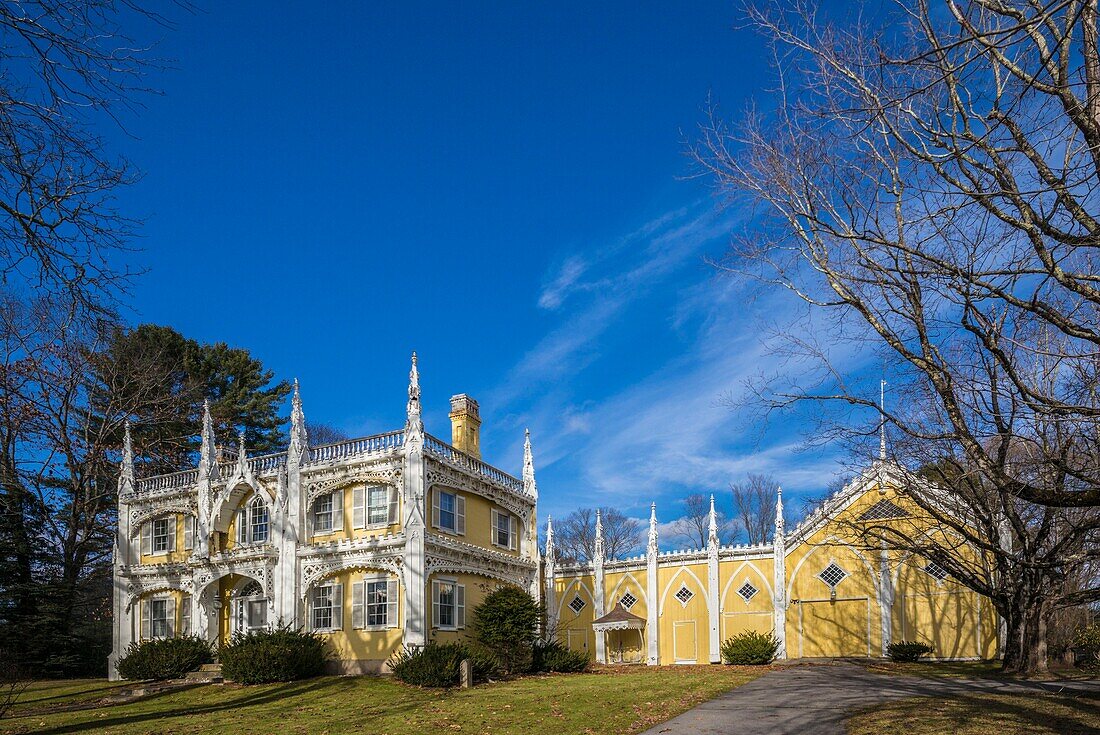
[
  {"x": 257, "y": 521},
  {"x": 249, "y": 608}
]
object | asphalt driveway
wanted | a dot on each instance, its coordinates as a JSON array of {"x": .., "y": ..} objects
[{"x": 816, "y": 699}]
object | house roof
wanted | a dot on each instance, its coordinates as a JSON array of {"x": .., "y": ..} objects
[{"x": 620, "y": 617}]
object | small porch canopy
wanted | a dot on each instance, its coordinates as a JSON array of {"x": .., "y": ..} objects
[{"x": 619, "y": 619}]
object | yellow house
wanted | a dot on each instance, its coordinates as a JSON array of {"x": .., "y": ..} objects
[{"x": 821, "y": 591}]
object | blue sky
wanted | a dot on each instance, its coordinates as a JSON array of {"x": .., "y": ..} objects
[{"x": 499, "y": 186}]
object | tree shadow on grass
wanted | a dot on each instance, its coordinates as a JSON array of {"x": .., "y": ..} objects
[
  {"x": 247, "y": 698},
  {"x": 1084, "y": 720}
]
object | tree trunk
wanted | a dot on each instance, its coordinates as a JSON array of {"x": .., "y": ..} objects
[{"x": 1025, "y": 651}]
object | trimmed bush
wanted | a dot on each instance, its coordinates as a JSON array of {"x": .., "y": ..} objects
[
  {"x": 750, "y": 649},
  {"x": 263, "y": 656},
  {"x": 437, "y": 664},
  {"x": 164, "y": 658},
  {"x": 506, "y": 623},
  {"x": 553, "y": 655},
  {"x": 908, "y": 651}
]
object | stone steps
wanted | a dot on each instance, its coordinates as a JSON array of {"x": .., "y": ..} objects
[{"x": 211, "y": 673}]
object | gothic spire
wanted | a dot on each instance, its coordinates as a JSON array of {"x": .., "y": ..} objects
[
  {"x": 242, "y": 457},
  {"x": 208, "y": 460},
  {"x": 779, "y": 512},
  {"x": 299, "y": 437},
  {"x": 712, "y": 537},
  {"x": 652, "y": 546},
  {"x": 529, "y": 485},
  {"x": 598, "y": 551},
  {"x": 413, "y": 419},
  {"x": 549, "y": 539},
  {"x": 126, "y": 475},
  {"x": 882, "y": 420}
]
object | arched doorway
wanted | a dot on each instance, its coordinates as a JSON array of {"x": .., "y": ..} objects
[{"x": 247, "y": 608}]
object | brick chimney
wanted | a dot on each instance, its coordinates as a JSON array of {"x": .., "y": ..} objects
[{"x": 465, "y": 425}]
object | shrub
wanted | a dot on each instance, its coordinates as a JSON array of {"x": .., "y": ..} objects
[
  {"x": 553, "y": 655},
  {"x": 281, "y": 654},
  {"x": 437, "y": 664},
  {"x": 164, "y": 658},
  {"x": 1086, "y": 645},
  {"x": 908, "y": 651},
  {"x": 750, "y": 648},
  {"x": 506, "y": 623}
]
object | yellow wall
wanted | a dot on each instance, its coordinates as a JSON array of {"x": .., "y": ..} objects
[
  {"x": 575, "y": 629},
  {"x": 177, "y": 595},
  {"x": 347, "y": 532},
  {"x": 738, "y": 616},
  {"x": 351, "y": 644},
  {"x": 172, "y": 557},
  {"x": 477, "y": 587},
  {"x": 478, "y": 520},
  {"x": 684, "y": 629}
]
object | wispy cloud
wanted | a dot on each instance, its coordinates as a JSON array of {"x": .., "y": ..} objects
[{"x": 624, "y": 393}]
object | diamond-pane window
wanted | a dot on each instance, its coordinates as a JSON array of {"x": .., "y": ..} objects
[
  {"x": 832, "y": 575},
  {"x": 577, "y": 604},
  {"x": 936, "y": 570},
  {"x": 747, "y": 591},
  {"x": 882, "y": 510},
  {"x": 683, "y": 595},
  {"x": 628, "y": 600}
]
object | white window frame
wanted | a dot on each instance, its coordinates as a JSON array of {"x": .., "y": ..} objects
[
  {"x": 164, "y": 604},
  {"x": 185, "y": 615},
  {"x": 362, "y": 604},
  {"x": 169, "y": 536},
  {"x": 495, "y": 519},
  {"x": 458, "y": 527},
  {"x": 255, "y": 507},
  {"x": 457, "y": 604},
  {"x": 335, "y": 513},
  {"x": 335, "y": 600},
  {"x": 378, "y": 514}
]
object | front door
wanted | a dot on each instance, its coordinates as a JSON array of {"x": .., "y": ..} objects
[{"x": 684, "y": 650}]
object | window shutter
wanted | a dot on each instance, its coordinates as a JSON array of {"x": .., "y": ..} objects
[
  {"x": 185, "y": 615},
  {"x": 393, "y": 506},
  {"x": 242, "y": 526},
  {"x": 513, "y": 535},
  {"x": 493, "y": 526},
  {"x": 435, "y": 604},
  {"x": 358, "y": 605},
  {"x": 338, "y": 511},
  {"x": 188, "y": 532},
  {"x": 146, "y": 621},
  {"x": 391, "y": 603},
  {"x": 338, "y": 606},
  {"x": 435, "y": 508},
  {"x": 147, "y": 537},
  {"x": 175, "y": 532},
  {"x": 460, "y": 515},
  {"x": 312, "y": 619},
  {"x": 359, "y": 507},
  {"x": 170, "y": 614},
  {"x": 460, "y": 606}
]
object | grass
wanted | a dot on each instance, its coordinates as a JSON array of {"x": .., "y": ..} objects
[
  {"x": 605, "y": 701},
  {"x": 1030, "y": 714},
  {"x": 44, "y": 695},
  {"x": 966, "y": 670}
]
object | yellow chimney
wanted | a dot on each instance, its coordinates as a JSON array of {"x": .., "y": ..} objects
[{"x": 465, "y": 425}]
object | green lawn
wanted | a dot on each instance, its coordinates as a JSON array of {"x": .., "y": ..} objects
[
  {"x": 1030, "y": 714},
  {"x": 605, "y": 701},
  {"x": 966, "y": 670}
]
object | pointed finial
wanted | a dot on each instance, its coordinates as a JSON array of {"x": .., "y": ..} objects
[
  {"x": 652, "y": 547},
  {"x": 529, "y": 485},
  {"x": 712, "y": 536},
  {"x": 126, "y": 466},
  {"x": 779, "y": 510},
  {"x": 599, "y": 536},
  {"x": 299, "y": 437},
  {"x": 549, "y": 538},
  {"x": 413, "y": 421},
  {"x": 882, "y": 420},
  {"x": 208, "y": 460}
]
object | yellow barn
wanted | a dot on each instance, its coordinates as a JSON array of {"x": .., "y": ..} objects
[{"x": 821, "y": 591}]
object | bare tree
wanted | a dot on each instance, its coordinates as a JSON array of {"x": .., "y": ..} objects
[
  {"x": 575, "y": 535},
  {"x": 927, "y": 184},
  {"x": 694, "y": 525},
  {"x": 320, "y": 433},
  {"x": 754, "y": 502}
]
